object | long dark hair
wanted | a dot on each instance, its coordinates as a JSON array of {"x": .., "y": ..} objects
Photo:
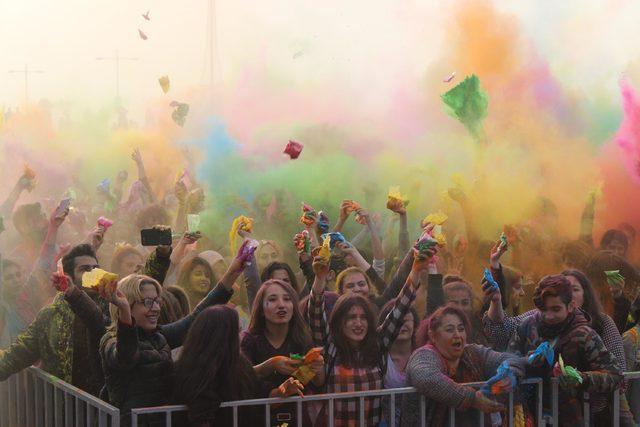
[
  {"x": 211, "y": 359},
  {"x": 368, "y": 353},
  {"x": 298, "y": 332},
  {"x": 386, "y": 309},
  {"x": 276, "y": 265},
  {"x": 591, "y": 303}
]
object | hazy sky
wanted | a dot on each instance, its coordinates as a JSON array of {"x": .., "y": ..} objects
[{"x": 362, "y": 44}]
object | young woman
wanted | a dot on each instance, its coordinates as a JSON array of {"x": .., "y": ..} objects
[
  {"x": 211, "y": 370},
  {"x": 438, "y": 369},
  {"x": 126, "y": 260},
  {"x": 398, "y": 356},
  {"x": 276, "y": 331},
  {"x": 356, "y": 352},
  {"x": 195, "y": 278},
  {"x": 136, "y": 352},
  {"x": 280, "y": 271}
]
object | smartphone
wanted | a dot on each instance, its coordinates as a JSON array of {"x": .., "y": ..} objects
[
  {"x": 64, "y": 205},
  {"x": 155, "y": 237}
]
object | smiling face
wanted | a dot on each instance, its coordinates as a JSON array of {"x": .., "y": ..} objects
[
  {"x": 277, "y": 305},
  {"x": 356, "y": 283},
  {"x": 406, "y": 331},
  {"x": 450, "y": 337},
  {"x": 146, "y": 311},
  {"x": 199, "y": 280},
  {"x": 517, "y": 292},
  {"x": 355, "y": 325}
]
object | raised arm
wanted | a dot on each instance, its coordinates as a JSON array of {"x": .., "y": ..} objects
[
  {"x": 315, "y": 308},
  {"x": 142, "y": 174},
  {"x": 23, "y": 183},
  {"x": 390, "y": 327},
  {"x": 175, "y": 332}
]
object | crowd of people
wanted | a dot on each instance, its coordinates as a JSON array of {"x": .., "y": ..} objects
[{"x": 199, "y": 322}]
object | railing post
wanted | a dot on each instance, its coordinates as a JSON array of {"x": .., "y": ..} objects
[
  {"x": 267, "y": 415},
  {"x": 423, "y": 410},
  {"x": 539, "y": 396},
  {"x": 392, "y": 410},
  {"x": 331, "y": 404},
  {"x": 510, "y": 409},
  {"x": 616, "y": 408},
  {"x": 361, "y": 411},
  {"x": 452, "y": 417},
  {"x": 586, "y": 409},
  {"x": 554, "y": 401}
]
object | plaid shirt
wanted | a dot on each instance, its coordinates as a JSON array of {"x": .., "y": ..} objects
[{"x": 344, "y": 379}]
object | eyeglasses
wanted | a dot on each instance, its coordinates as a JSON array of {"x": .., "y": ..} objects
[{"x": 149, "y": 302}]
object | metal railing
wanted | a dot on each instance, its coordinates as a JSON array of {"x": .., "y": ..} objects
[
  {"x": 586, "y": 408},
  {"x": 330, "y": 399},
  {"x": 34, "y": 398}
]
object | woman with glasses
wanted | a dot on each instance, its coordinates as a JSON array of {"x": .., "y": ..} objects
[{"x": 136, "y": 351}]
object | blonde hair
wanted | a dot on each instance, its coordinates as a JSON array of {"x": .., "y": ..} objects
[
  {"x": 131, "y": 286},
  {"x": 122, "y": 250}
]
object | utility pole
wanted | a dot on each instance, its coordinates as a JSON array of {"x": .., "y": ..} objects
[
  {"x": 211, "y": 54},
  {"x": 116, "y": 59},
  {"x": 26, "y": 73}
]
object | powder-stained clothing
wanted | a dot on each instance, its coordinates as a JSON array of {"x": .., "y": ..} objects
[
  {"x": 61, "y": 342},
  {"x": 427, "y": 371},
  {"x": 580, "y": 347},
  {"x": 341, "y": 378}
]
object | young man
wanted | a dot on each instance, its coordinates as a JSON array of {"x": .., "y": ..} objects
[
  {"x": 58, "y": 338},
  {"x": 567, "y": 330}
]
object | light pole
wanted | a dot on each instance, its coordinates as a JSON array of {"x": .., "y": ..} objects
[
  {"x": 116, "y": 58},
  {"x": 26, "y": 73}
]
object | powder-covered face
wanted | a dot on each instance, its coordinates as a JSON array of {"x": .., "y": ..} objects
[
  {"x": 130, "y": 263},
  {"x": 12, "y": 278},
  {"x": 277, "y": 305},
  {"x": 356, "y": 283},
  {"x": 199, "y": 280},
  {"x": 460, "y": 299},
  {"x": 451, "y": 337},
  {"x": 355, "y": 325},
  {"x": 266, "y": 255},
  {"x": 617, "y": 247}
]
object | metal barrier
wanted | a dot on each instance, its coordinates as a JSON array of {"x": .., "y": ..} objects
[
  {"x": 586, "y": 408},
  {"x": 168, "y": 411},
  {"x": 34, "y": 398}
]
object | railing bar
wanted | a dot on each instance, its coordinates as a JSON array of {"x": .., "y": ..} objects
[
  {"x": 102, "y": 418},
  {"x": 235, "y": 416},
  {"x": 586, "y": 409},
  {"x": 167, "y": 418},
  {"x": 78, "y": 405},
  {"x": 392, "y": 410},
  {"x": 299, "y": 413},
  {"x": 510, "y": 408},
  {"x": 38, "y": 395},
  {"x": 616, "y": 408},
  {"x": 331, "y": 409},
  {"x": 267, "y": 417},
  {"x": 68, "y": 417},
  {"x": 539, "y": 403},
  {"x": 452, "y": 417},
  {"x": 554, "y": 401},
  {"x": 423, "y": 410},
  {"x": 361, "y": 411}
]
